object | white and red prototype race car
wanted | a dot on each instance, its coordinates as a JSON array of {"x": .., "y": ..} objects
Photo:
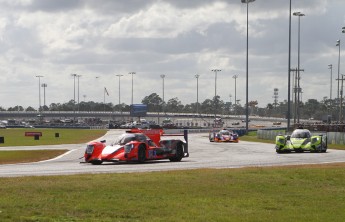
[
  {"x": 223, "y": 135},
  {"x": 138, "y": 145}
]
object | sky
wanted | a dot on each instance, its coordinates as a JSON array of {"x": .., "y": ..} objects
[{"x": 99, "y": 40}]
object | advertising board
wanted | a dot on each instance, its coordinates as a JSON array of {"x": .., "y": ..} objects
[{"x": 138, "y": 110}]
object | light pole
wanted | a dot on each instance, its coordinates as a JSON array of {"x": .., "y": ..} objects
[
  {"x": 289, "y": 73},
  {"x": 215, "y": 80},
  {"x": 44, "y": 85},
  {"x": 235, "y": 77},
  {"x": 78, "y": 76},
  {"x": 163, "y": 76},
  {"x": 330, "y": 66},
  {"x": 132, "y": 73},
  {"x": 338, "y": 44},
  {"x": 215, "y": 90},
  {"x": 119, "y": 91},
  {"x": 39, "y": 92},
  {"x": 247, "y": 110},
  {"x": 97, "y": 79},
  {"x": 197, "y": 93},
  {"x": 299, "y": 14},
  {"x": 74, "y": 75},
  {"x": 341, "y": 99}
]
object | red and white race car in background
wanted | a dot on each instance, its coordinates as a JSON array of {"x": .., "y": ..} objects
[
  {"x": 223, "y": 135},
  {"x": 138, "y": 145}
]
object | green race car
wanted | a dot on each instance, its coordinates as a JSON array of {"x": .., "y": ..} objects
[{"x": 301, "y": 140}]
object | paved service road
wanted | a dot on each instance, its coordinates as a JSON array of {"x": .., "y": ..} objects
[{"x": 203, "y": 154}]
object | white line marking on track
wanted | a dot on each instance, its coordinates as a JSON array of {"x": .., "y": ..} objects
[{"x": 58, "y": 157}]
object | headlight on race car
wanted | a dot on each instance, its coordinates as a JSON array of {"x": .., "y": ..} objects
[
  {"x": 128, "y": 147},
  {"x": 89, "y": 149}
]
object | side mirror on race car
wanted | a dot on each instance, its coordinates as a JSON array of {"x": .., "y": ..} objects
[
  {"x": 103, "y": 141},
  {"x": 288, "y": 137}
]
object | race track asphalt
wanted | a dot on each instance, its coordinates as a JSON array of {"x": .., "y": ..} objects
[{"x": 203, "y": 154}]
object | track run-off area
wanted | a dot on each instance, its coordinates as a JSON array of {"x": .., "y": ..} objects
[{"x": 202, "y": 154}]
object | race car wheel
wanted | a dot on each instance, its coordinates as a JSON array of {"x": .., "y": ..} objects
[
  {"x": 179, "y": 153},
  {"x": 324, "y": 148},
  {"x": 96, "y": 162},
  {"x": 141, "y": 154},
  {"x": 279, "y": 151}
]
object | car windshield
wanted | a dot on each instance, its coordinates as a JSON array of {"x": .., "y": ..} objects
[
  {"x": 225, "y": 132},
  {"x": 128, "y": 137},
  {"x": 301, "y": 134},
  {"x": 124, "y": 138}
]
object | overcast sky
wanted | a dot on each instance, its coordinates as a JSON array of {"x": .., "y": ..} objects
[{"x": 99, "y": 39}]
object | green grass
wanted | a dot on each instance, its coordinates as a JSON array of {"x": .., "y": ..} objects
[
  {"x": 25, "y": 156},
  {"x": 16, "y": 137},
  {"x": 310, "y": 193},
  {"x": 304, "y": 193}
]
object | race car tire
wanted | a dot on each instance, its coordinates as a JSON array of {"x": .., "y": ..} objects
[
  {"x": 324, "y": 149},
  {"x": 96, "y": 162},
  {"x": 320, "y": 149},
  {"x": 179, "y": 153},
  {"x": 141, "y": 154}
]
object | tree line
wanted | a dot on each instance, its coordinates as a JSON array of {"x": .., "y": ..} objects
[{"x": 308, "y": 109}]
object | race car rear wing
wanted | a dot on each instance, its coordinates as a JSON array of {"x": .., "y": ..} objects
[{"x": 185, "y": 136}]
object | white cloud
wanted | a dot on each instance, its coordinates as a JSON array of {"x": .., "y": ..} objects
[{"x": 176, "y": 38}]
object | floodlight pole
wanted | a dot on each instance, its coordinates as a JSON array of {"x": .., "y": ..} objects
[
  {"x": 74, "y": 75},
  {"x": 330, "y": 66},
  {"x": 132, "y": 73},
  {"x": 338, "y": 44},
  {"x": 119, "y": 91},
  {"x": 78, "y": 76},
  {"x": 288, "y": 116},
  {"x": 163, "y": 77},
  {"x": 247, "y": 105},
  {"x": 39, "y": 92},
  {"x": 215, "y": 90},
  {"x": 235, "y": 77},
  {"x": 197, "y": 93},
  {"x": 299, "y": 14},
  {"x": 44, "y": 85},
  {"x": 341, "y": 98}
]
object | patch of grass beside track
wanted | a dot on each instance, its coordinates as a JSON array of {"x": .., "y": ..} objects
[
  {"x": 25, "y": 156},
  {"x": 16, "y": 137},
  {"x": 308, "y": 193}
]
